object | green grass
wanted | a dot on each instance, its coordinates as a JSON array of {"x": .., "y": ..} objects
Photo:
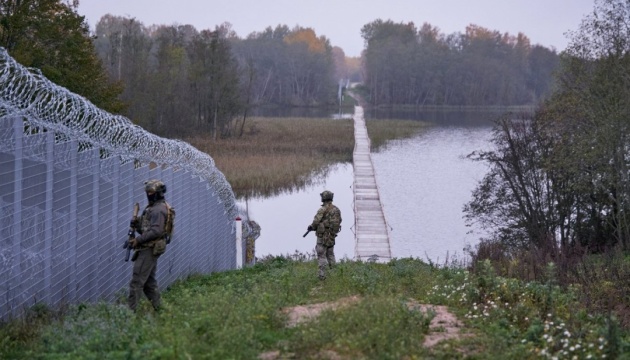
[{"x": 238, "y": 315}]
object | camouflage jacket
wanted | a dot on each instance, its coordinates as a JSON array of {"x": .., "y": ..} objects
[
  {"x": 327, "y": 220},
  {"x": 151, "y": 224}
]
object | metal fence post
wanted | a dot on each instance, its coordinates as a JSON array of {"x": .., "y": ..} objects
[{"x": 239, "y": 243}]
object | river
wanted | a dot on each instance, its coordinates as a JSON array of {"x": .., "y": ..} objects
[{"x": 424, "y": 183}]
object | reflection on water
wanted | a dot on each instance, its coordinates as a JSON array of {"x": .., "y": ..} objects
[
  {"x": 457, "y": 117},
  {"x": 424, "y": 183},
  {"x": 441, "y": 117},
  {"x": 283, "y": 219},
  {"x": 302, "y": 112},
  {"x": 342, "y": 116}
]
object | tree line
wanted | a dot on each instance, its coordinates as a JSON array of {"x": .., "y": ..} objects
[
  {"x": 481, "y": 67},
  {"x": 173, "y": 80},
  {"x": 178, "y": 78},
  {"x": 559, "y": 177}
]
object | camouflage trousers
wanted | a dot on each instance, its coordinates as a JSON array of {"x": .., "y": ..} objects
[
  {"x": 325, "y": 258},
  {"x": 143, "y": 280}
]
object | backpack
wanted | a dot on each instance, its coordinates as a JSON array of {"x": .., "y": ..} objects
[
  {"x": 334, "y": 219},
  {"x": 170, "y": 223}
]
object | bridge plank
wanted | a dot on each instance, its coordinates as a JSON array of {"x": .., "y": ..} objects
[{"x": 371, "y": 230}]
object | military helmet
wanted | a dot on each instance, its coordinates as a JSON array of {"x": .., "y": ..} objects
[
  {"x": 327, "y": 195},
  {"x": 155, "y": 186}
]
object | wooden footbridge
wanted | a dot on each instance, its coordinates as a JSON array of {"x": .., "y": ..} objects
[{"x": 371, "y": 231}]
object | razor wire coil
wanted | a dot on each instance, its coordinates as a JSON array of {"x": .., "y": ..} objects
[{"x": 27, "y": 92}]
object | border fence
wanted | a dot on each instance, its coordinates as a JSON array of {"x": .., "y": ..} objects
[{"x": 69, "y": 176}]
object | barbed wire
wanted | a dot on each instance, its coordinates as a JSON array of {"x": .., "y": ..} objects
[{"x": 27, "y": 92}]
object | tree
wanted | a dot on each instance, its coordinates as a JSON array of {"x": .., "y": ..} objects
[
  {"x": 291, "y": 67},
  {"x": 592, "y": 117},
  {"x": 542, "y": 65},
  {"x": 224, "y": 80},
  {"x": 264, "y": 54},
  {"x": 168, "y": 80},
  {"x": 516, "y": 197},
  {"x": 561, "y": 177},
  {"x": 51, "y": 36},
  {"x": 215, "y": 77},
  {"x": 310, "y": 67},
  {"x": 390, "y": 47},
  {"x": 339, "y": 59},
  {"x": 124, "y": 46}
]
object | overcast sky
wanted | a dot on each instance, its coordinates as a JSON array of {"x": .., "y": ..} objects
[{"x": 545, "y": 22}]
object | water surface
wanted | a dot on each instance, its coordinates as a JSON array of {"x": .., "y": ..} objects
[
  {"x": 284, "y": 218},
  {"x": 424, "y": 183}
]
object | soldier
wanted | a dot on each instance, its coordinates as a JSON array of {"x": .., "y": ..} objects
[
  {"x": 327, "y": 224},
  {"x": 148, "y": 246}
]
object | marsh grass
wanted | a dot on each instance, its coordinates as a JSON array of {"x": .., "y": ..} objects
[
  {"x": 382, "y": 131},
  {"x": 238, "y": 315},
  {"x": 280, "y": 154}
]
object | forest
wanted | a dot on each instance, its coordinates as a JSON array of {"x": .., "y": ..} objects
[
  {"x": 480, "y": 67},
  {"x": 178, "y": 79},
  {"x": 209, "y": 79}
]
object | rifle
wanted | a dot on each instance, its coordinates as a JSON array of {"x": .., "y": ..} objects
[
  {"x": 306, "y": 233},
  {"x": 132, "y": 231}
]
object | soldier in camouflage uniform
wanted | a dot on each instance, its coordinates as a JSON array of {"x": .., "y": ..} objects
[
  {"x": 327, "y": 224},
  {"x": 148, "y": 246}
]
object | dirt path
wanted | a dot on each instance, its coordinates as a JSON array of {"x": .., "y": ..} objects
[{"x": 443, "y": 326}]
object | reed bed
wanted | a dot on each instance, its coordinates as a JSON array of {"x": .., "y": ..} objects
[
  {"x": 382, "y": 131},
  {"x": 283, "y": 154}
]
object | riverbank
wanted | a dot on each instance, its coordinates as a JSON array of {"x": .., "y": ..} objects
[
  {"x": 280, "y": 154},
  {"x": 279, "y": 309}
]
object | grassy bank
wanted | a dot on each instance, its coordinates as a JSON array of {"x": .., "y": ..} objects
[
  {"x": 275, "y": 155},
  {"x": 246, "y": 314}
]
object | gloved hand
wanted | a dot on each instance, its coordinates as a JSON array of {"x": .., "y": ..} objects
[
  {"x": 310, "y": 228},
  {"x": 134, "y": 224},
  {"x": 133, "y": 243}
]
